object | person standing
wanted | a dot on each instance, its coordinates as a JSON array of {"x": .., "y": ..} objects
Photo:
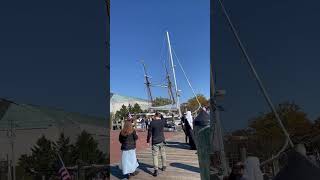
[
  {"x": 147, "y": 123},
  {"x": 128, "y": 138},
  {"x": 158, "y": 142},
  {"x": 252, "y": 169},
  {"x": 183, "y": 125},
  {"x": 189, "y": 130},
  {"x": 142, "y": 122}
]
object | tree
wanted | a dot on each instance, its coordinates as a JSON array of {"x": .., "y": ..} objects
[
  {"x": 130, "y": 108},
  {"x": 122, "y": 113},
  {"x": 160, "y": 101},
  {"x": 86, "y": 150},
  {"x": 136, "y": 108},
  {"x": 268, "y": 137},
  {"x": 192, "y": 104},
  {"x": 64, "y": 148},
  {"x": 41, "y": 160}
]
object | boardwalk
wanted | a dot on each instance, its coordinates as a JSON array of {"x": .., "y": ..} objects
[{"x": 182, "y": 163}]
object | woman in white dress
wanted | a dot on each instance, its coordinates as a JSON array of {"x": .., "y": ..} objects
[{"x": 128, "y": 138}]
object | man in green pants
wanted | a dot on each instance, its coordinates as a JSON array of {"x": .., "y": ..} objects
[{"x": 158, "y": 141}]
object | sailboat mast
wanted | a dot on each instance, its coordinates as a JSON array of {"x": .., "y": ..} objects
[{"x": 174, "y": 76}]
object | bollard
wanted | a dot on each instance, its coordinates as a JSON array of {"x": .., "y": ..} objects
[{"x": 201, "y": 130}]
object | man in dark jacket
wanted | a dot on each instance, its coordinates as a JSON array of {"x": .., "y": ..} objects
[{"x": 156, "y": 132}]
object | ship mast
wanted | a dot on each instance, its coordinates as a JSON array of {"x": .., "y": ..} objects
[
  {"x": 173, "y": 101},
  {"x": 174, "y": 75},
  {"x": 147, "y": 83}
]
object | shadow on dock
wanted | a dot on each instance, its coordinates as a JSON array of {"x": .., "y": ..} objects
[
  {"x": 116, "y": 172},
  {"x": 186, "y": 167},
  {"x": 178, "y": 145},
  {"x": 144, "y": 167}
]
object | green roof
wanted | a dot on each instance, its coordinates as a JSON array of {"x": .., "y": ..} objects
[
  {"x": 121, "y": 98},
  {"x": 30, "y": 116}
]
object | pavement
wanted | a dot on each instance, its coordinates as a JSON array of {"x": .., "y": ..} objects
[
  {"x": 115, "y": 152},
  {"x": 182, "y": 163}
]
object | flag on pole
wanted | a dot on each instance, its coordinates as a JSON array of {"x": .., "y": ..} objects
[{"x": 62, "y": 170}]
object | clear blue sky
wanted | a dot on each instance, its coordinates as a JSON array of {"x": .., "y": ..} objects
[
  {"x": 137, "y": 33},
  {"x": 53, "y": 53},
  {"x": 282, "y": 38}
]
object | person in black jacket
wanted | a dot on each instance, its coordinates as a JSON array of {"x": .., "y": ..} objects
[
  {"x": 128, "y": 138},
  {"x": 158, "y": 141},
  {"x": 183, "y": 125}
]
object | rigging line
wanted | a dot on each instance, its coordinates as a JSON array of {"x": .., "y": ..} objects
[
  {"x": 255, "y": 73},
  {"x": 185, "y": 75}
]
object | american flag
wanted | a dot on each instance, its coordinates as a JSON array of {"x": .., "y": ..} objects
[{"x": 62, "y": 170}]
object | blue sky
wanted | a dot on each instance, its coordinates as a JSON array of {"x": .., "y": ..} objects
[
  {"x": 138, "y": 32},
  {"x": 282, "y": 39},
  {"x": 54, "y": 54}
]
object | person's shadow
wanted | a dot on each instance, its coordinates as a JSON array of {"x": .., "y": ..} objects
[
  {"x": 116, "y": 172},
  {"x": 177, "y": 145},
  {"x": 144, "y": 167},
  {"x": 186, "y": 167}
]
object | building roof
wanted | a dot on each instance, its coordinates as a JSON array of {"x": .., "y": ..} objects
[
  {"x": 26, "y": 116},
  {"x": 120, "y": 98}
]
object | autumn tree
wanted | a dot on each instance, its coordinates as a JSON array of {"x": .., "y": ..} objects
[
  {"x": 192, "y": 104},
  {"x": 267, "y": 137}
]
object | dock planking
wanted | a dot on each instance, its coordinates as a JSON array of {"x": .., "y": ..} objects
[{"x": 182, "y": 163}]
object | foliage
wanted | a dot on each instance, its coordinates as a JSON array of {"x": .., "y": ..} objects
[
  {"x": 267, "y": 137},
  {"x": 122, "y": 113},
  {"x": 192, "y": 104},
  {"x": 160, "y": 101},
  {"x": 136, "y": 108},
  {"x": 43, "y": 156},
  {"x": 64, "y": 148},
  {"x": 86, "y": 150},
  {"x": 41, "y": 160}
]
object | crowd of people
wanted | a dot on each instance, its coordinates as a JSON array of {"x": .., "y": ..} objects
[
  {"x": 128, "y": 138},
  {"x": 154, "y": 125}
]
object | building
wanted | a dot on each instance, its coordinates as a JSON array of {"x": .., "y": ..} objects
[
  {"x": 30, "y": 122},
  {"x": 116, "y": 101}
]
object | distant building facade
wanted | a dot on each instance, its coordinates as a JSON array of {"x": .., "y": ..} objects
[{"x": 116, "y": 102}]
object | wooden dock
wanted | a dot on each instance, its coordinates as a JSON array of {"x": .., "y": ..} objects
[{"x": 182, "y": 163}]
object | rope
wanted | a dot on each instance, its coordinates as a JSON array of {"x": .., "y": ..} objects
[
  {"x": 185, "y": 75},
  {"x": 256, "y": 75},
  {"x": 277, "y": 155}
]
